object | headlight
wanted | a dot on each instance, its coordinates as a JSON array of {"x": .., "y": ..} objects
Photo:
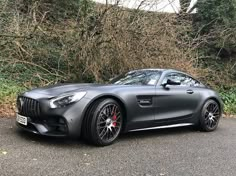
[{"x": 65, "y": 100}]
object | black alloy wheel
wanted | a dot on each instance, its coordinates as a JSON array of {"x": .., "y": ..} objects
[
  {"x": 109, "y": 122},
  {"x": 103, "y": 122},
  {"x": 211, "y": 113}
]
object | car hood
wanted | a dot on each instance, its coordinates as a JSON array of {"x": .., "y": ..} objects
[{"x": 58, "y": 89}]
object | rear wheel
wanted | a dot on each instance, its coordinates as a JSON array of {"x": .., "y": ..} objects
[
  {"x": 210, "y": 116},
  {"x": 103, "y": 122}
]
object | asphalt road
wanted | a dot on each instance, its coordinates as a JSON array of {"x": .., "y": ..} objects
[{"x": 179, "y": 151}]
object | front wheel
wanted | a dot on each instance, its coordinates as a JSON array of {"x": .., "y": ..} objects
[
  {"x": 210, "y": 116},
  {"x": 103, "y": 122}
]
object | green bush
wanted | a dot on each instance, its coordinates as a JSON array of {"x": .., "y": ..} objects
[
  {"x": 215, "y": 26},
  {"x": 9, "y": 90},
  {"x": 229, "y": 99},
  {"x": 221, "y": 12}
]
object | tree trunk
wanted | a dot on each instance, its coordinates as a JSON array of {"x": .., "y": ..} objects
[{"x": 184, "y": 4}]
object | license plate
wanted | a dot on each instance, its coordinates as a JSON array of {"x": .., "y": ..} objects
[{"x": 21, "y": 119}]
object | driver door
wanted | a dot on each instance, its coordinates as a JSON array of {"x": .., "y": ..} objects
[{"x": 176, "y": 102}]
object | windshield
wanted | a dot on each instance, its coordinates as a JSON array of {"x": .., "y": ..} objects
[{"x": 140, "y": 77}]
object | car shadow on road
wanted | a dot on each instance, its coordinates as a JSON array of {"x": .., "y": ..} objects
[
  {"x": 126, "y": 137},
  {"x": 46, "y": 140},
  {"x": 159, "y": 133}
]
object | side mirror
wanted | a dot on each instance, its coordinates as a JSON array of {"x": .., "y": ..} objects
[{"x": 171, "y": 82}]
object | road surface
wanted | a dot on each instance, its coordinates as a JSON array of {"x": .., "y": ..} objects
[{"x": 179, "y": 151}]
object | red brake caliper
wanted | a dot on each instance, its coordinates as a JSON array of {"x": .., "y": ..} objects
[{"x": 114, "y": 118}]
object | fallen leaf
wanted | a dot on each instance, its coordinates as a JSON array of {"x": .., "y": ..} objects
[{"x": 4, "y": 152}]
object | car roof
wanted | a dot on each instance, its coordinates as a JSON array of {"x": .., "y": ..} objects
[
  {"x": 163, "y": 70},
  {"x": 156, "y": 69}
]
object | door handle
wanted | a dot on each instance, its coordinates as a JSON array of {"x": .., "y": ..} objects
[{"x": 190, "y": 92}]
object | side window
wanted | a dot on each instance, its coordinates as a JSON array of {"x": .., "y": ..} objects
[
  {"x": 173, "y": 76},
  {"x": 183, "y": 79},
  {"x": 188, "y": 81}
]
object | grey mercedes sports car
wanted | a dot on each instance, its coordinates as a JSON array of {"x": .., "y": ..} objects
[{"x": 138, "y": 100}]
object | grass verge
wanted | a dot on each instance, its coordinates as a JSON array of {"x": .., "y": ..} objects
[
  {"x": 8, "y": 93},
  {"x": 229, "y": 99}
]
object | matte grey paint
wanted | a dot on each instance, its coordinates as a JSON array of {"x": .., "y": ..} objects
[{"x": 144, "y": 106}]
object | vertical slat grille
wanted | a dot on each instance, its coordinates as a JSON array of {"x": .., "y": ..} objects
[{"x": 28, "y": 107}]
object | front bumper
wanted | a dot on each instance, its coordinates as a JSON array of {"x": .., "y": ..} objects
[
  {"x": 56, "y": 127},
  {"x": 61, "y": 122}
]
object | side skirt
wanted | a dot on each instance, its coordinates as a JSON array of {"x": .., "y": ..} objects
[{"x": 165, "y": 126}]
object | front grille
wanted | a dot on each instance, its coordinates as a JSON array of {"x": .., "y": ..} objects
[{"x": 28, "y": 107}]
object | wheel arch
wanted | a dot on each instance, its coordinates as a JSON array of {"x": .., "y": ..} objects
[
  {"x": 106, "y": 96},
  {"x": 203, "y": 101},
  {"x": 201, "y": 122},
  {"x": 217, "y": 101}
]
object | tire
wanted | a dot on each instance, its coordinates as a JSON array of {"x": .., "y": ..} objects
[
  {"x": 210, "y": 116},
  {"x": 103, "y": 122}
]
